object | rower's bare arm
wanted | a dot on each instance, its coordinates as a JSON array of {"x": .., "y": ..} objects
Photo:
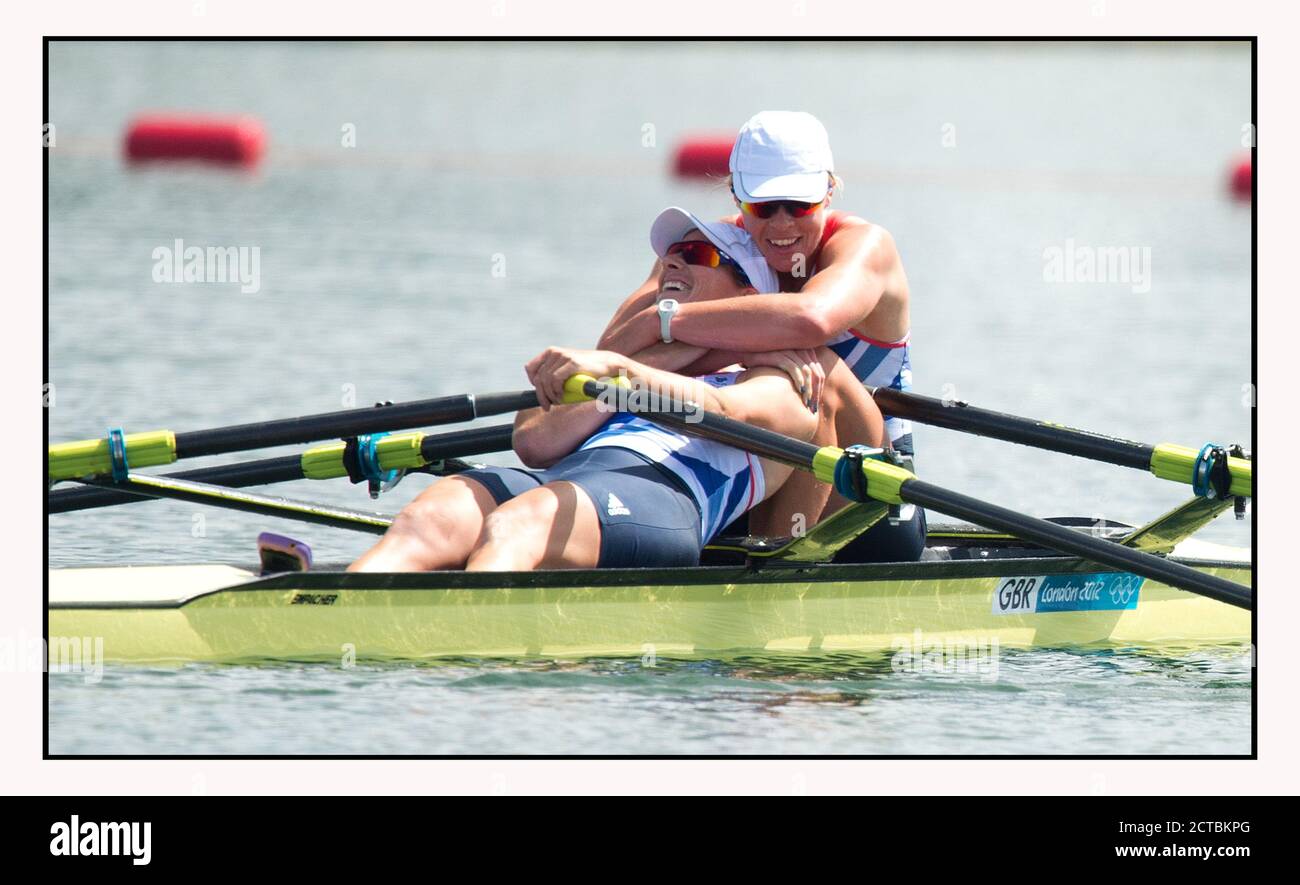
[
  {"x": 544, "y": 435},
  {"x": 859, "y": 264},
  {"x": 711, "y": 361},
  {"x": 683, "y": 358},
  {"x": 675, "y": 357},
  {"x": 855, "y": 415},
  {"x": 767, "y": 398},
  {"x": 620, "y": 336},
  {"x": 688, "y": 359},
  {"x": 542, "y": 438}
]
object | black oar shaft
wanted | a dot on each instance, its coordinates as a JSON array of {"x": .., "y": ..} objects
[
  {"x": 463, "y": 443},
  {"x": 250, "y": 473},
  {"x": 1071, "y": 541},
  {"x": 957, "y": 415},
  {"x": 350, "y": 422}
]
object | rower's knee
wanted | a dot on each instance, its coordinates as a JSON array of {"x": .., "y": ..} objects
[
  {"x": 429, "y": 525},
  {"x": 519, "y": 519},
  {"x": 512, "y": 538},
  {"x": 438, "y": 528},
  {"x": 554, "y": 526}
]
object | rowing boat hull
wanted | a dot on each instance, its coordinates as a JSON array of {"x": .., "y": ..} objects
[{"x": 220, "y": 613}]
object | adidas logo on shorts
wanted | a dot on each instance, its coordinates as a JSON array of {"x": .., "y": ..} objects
[{"x": 615, "y": 507}]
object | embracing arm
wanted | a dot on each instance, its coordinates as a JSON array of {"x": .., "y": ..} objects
[
  {"x": 766, "y": 398},
  {"x": 859, "y": 262},
  {"x": 679, "y": 356},
  {"x": 542, "y": 436},
  {"x": 546, "y": 434}
]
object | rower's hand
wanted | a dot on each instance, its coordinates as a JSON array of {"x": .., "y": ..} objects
[
  {"x": 548, "y": 371},
  {"x": 803, "y": 367}
]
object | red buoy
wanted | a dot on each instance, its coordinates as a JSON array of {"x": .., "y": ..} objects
[
  {"x": 237, "y": 141},
  {"x": 1242, "y": 179},
  {"x": 704, "y": 155}
]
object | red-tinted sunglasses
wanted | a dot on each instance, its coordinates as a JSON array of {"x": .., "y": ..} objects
[
  {"x": 702, "y": 253},
  {"x": 796, "y": 208}
]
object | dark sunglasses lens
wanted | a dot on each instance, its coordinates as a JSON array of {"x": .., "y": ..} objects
[
  {"x": 794, "y": 207},
  {"x": 696, "y": 252}
]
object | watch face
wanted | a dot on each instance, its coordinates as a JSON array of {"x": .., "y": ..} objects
[{"x": 667, "y": 309}]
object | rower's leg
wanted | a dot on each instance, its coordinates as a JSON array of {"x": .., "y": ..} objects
[
  {"x": 847, "y": 415},
  {"x": 857, "y": 422},
  {"x": 798, "y": 504},
  {"x": 552, "y": 526},
  {"x": 437, "y": 530}
]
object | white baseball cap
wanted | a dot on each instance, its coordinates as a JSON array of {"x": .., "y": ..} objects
[
  {"x": 781, "y": 155},
  {"x": 673, "y": 224}
]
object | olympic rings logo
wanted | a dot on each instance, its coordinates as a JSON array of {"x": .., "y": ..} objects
[{"x": 1124, "y": 589}]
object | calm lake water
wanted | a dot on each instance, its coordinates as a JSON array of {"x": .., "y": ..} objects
[{"x": 548, "y": 162}]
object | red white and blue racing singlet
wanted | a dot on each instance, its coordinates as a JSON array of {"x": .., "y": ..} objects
[{"x": 880, "y": 364}]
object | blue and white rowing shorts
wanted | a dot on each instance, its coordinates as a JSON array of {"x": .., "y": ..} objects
[{"x": 648, "y": 518}]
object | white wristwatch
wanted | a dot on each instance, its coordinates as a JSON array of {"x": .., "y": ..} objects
[{"x": 667, "y": 309}]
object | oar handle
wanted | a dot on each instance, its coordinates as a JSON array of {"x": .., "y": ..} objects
[{"x": 580, "y": 388}]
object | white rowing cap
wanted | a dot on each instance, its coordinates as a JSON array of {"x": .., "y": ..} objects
[
  {"x": 674, "y": 223},
  {"x": 782, "y": 155}
]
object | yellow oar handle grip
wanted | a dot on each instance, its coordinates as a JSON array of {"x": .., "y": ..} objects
[
  {"x": 1178, "y": 463},
  {"x": 573, "y": 387},
  {"x": 90, "y": 457},
  {"x": 398, "y": 451},
  {"x": 884, "y": 480}
]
